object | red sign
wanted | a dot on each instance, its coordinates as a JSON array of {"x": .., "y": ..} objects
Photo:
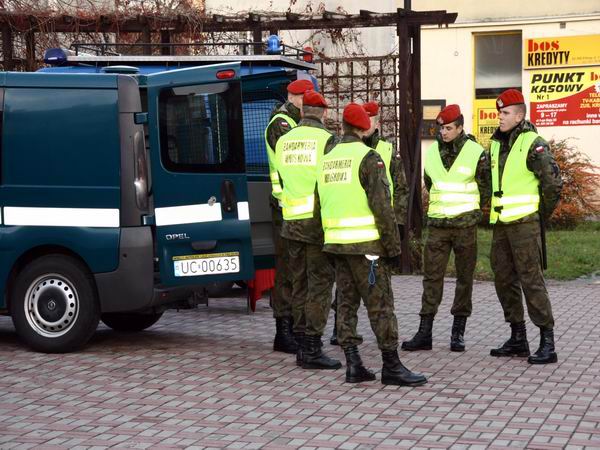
[{"x": 565, "y": 97}]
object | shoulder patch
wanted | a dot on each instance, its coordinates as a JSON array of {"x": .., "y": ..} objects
[
  {"x": 540, "y": 149},
  {"x": 283, "y": 123},
  {"x": 380, "y": 164}
]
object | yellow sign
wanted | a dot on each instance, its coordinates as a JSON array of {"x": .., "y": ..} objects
[
  {"x": 485, "y": 120},
  {"x": 563, "y": 51}
]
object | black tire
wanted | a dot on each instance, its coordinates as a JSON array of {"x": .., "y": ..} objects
[
  {"x": 54, "y": 305},
  {"x": 130, "y": 322}
]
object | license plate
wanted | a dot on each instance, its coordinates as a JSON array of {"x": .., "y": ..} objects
[{"x": 211, "y": 264}]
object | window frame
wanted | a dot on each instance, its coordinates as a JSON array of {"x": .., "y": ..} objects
[
  {"x": 487, "y": 93},
  {"x": 235, "y": 159}
]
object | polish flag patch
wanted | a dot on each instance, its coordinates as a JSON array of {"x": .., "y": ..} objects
[
  {"x": 539, "y": 149},
  {"x": 380, "y": 164}
]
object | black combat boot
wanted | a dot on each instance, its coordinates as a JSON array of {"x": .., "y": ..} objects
[
  {"x": 284, "y": 339},
  {"x": 299, "y": 337},
  {"x": 421, "y": 340},
  {"x": 545, "y": 354},
  {"x": 394, "y": 372},
  {"x": 334, "y": 340},
  {"x": 457, "y": 340},
  {"x": 517, "y": 345},
  {"x": 313, "y": 356},
  {"x": 355, "y": 371}
]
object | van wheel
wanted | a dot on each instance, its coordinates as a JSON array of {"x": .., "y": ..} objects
[
  {"x": 53, "y": 304},
  {"x": 130, "y": 322}
]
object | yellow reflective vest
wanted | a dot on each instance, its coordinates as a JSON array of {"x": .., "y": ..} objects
[
  {"x": 517, "y": 194},
  {"x": 454, "y": 191},
  {"x": 298, "y": 153},
  {"x": 345, "y": 212},
  {"x": 273, "y": 175}
]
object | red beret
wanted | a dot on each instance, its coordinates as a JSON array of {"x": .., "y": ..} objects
[
  {"x": 509, "y": 97},
  {"x": 312, "y": 98},
  {"x": 372, "y": 108},
  {"x": 356, "y": 116},
  {"x": 299, "y": 87},
  {"x": 448, "y": 115}
]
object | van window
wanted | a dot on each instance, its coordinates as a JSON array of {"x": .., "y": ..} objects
[{"x": 201, "y": 128}]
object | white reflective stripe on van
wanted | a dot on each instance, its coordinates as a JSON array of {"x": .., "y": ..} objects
[
  {"x": 62, "y": 217},
  {"x": 243, "y": 211},
  {"x": 176, "y": 215}
]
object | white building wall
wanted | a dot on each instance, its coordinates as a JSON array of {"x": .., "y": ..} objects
[{"x": 448, "y": 53}]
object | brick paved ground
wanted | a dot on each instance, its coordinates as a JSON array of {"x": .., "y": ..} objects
[{"x": 208, "y": 379}]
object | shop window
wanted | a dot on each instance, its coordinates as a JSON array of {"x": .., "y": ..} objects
[{"x": 498, "y": 63}]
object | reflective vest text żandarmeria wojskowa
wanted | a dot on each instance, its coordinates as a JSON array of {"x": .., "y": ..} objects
[
  {"x": 517, "y": 194},
  {"x": 345, "y": 212},
  {"x": 273, "y": 175},
  {"x": 454, "y": 191},
  {"x": 298, "y": 154}
]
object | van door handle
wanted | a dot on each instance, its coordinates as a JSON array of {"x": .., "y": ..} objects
[{"x": 228, "y": 198}]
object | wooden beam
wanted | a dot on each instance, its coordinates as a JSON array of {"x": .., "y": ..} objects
[
  {"x": 218, "y": 23},
  {"x": 7, "y": 48},
  {"x": 30, "y": 61}
]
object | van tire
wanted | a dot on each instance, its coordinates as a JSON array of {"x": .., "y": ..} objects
[
  {"x": 54, "y": 305},
  {"x": 130, "y": 322}
]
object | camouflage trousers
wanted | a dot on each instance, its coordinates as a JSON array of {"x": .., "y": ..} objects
[
  {"x": 517, "y": 264},
  {"x": 281, "y": 300},
  {"x": 312, "y": 283},
  {"x": 440, "y": 242},
  {"x": 352, "y": 281}
]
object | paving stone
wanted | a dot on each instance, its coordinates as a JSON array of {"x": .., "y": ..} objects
[{"x": 208, "y": 378}]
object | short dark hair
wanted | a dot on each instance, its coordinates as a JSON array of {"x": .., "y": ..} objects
[
  {"x": 313, "y": 111},
  {"x": 460, "y": 121},
  {"x": 347, "y": 128},
  {"x": 522, "y": 107}
]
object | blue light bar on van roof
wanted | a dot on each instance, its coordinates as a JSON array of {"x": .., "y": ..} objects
[
  {"x": 55, "y": 56},
  {"x": 273, "y": 45}
]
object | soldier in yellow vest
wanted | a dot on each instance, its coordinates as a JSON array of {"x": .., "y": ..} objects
[
  {"x": 283, "y": 119},
  {"x": 298, "y": 155},
  {"x": 361, "y": 233},
  {"x": 457, "y": 178},
  {"x": 526, "y": 187},
  {"x": 395, "y": 175}
]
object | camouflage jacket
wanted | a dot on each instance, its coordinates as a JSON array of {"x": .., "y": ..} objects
[
  {"x": 376, "y": 185},
  {"x": 398, "y": 178},
  {"x": 307, "y": 230},
  {"x": 540, "y": 161},
  {"x": 279, "y": 127},
  {"x": 448, "y": 152}
]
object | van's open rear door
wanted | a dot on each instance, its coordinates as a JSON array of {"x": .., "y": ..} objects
[
  {"x": 198, "y": 175},
  {"x": 261, "y": 93}
]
